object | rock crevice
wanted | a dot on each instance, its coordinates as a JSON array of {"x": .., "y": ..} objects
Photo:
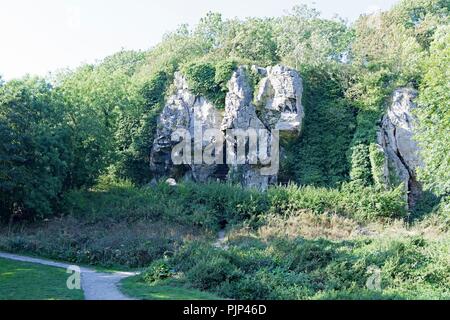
[{"x": 396, "y": 137}]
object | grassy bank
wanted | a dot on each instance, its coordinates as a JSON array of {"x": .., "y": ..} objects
[
  {"x": 265, "y": 264},
  {"x": 164, "y": 290},
  {"x": 28, "y": 281},
  {"x": 287, "y": 243},
  {"x": 118, "y": 224}
]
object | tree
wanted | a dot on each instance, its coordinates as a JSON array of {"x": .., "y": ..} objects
[
  {"x": 303, "y": 38},
  {"x": 212, "y": 29},
  {"x": 34, "y": 149},
  {"x": 399, "y": 39},
  {"x": 434, "y": 115},
  {"x": 252, "y": 40},
  {"x": 103, "y": 105},
  {"x": 90, "y": 102},
  {"x": 136, "y": 130}
]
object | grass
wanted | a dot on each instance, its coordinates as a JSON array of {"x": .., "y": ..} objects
[
  {"x": 288, "y": 243},
  {"x": 107, "y": 243},
  {"x": 162, "y": 290},
  {"x": 296, "y": 269},
  {"x": 28, "y": 281}
]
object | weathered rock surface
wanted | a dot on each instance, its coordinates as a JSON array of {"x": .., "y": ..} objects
[
  {"x": 240, "y": 113},
  {"x": 275, "y": 106},
  {"x": 186, "y": 111},
  {"x": 396, "y": 137},
  {"x": 279, "y": 99}
]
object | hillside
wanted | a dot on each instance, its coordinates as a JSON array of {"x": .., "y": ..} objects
[{"x": 349, "y": 175}]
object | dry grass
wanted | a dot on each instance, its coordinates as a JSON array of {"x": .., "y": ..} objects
[
  {"x": 430, "y": 228},
  {"x": 303, "y": 224},
  {"x": 309, "y": 225},
  {"x": 106, "y": 243}
]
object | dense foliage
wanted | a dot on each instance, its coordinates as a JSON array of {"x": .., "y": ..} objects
[
  {"x": 434, "y": 115},
  {"x": 120, "y": 224},
  {"x": 312, "y": 269},
  {"x": 391, "y": 50},
  {"x": 209, "y": 80},
  {"x": 36, "y": 149},
  {"x": 320, "y": 156},
  {"x": 65, "y": 132},
  {"x": 74, "y": 157}
]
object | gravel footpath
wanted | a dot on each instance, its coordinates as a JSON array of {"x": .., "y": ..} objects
[{"x": 95, "y": 285}]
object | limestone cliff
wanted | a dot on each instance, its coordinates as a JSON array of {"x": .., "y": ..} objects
[
  {"x": 396, "y": 137},
  {"x": 274, "y": 104}
]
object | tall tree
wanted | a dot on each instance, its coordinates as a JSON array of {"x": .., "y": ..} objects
[{"x": 434, "y": 115}]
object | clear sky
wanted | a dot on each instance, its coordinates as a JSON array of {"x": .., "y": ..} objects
[{"x": 39, "y": 36}]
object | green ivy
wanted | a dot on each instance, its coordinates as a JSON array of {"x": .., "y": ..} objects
[
  {"x": 210, "y": 80},
  {"x": 319, "y": 156},
  {"x": 361, "y": 168},
  {"x": 377, "y": 162}
]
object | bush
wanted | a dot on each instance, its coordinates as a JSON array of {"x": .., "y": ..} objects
[
  {"x": 368, "y": 204},
  {"x": 187, "y": 208},
  {"x": 351, "y": 200},
  {"x": 210, "y": 80},
  {"x": 105, "y": 242},
  {"x": 224, "y": 71},
  {"x": 201, "y": 77},
  {"x": 211, "y": 271},
  {"x": 246, "y": 288},
  {"x": 411, "y": 268},
  {"x": 209, "y": 205},
  {"x": 158, "y": 270},
  {"x": 361, "y": 172}
]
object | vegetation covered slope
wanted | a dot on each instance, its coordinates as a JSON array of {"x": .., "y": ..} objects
[{"x": 63, "y": 133}]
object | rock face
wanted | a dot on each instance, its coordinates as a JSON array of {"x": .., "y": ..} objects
[
  {"x": 186, "y": 111},
  {"x": 279, "y": 99},
  {"x": 240, "y": 113},
  {"x": 276, "y": 105},
  {"x": 396, "y": 138}
]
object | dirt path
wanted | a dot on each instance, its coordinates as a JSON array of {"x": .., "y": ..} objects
[
  {"x": 95, "y": 285},
  {"x": 221, "y": 240}
]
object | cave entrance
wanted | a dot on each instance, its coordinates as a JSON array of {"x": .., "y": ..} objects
[{"x": 221, "y": 171}]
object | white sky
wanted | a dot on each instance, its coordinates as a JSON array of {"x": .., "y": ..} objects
[{"x": 39, "y": 36}]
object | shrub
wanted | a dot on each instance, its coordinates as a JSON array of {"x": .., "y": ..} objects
[
  {"x": 351, "y": 200},
  {"x": 158, "y": 270},
  {"x": 209, "y": 80},
  {"x": 246, "y": 288},
  {"x": 411, "y": 268},
  {"x": 211, "y": 271},
  {"x": 377, "y": 163},
  {"x": 361, "y": 167},
  {"x": 368, "y": 204},
  {"x": 106, "y": 242},
  {"x": 209, "y": 205},
  {"x": 201, "y": 77},
  {"x": 224, "y": 70}
]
